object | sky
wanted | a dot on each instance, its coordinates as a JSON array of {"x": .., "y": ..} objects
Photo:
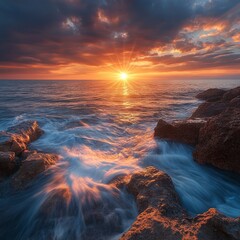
[{"x": 98, "y": 39}]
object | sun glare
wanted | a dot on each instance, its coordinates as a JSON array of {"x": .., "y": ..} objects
[{"x": 123, "y": 76}]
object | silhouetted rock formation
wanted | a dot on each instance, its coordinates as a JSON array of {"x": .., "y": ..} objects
[{"x": 161, "y": 215}]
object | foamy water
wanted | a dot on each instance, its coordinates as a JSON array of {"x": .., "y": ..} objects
[{"x": 103, "y": 129}]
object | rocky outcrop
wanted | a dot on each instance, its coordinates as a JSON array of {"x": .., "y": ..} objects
[
  {"x": 231, "y": 94},
  {"x": 7, "y": 163},
  {"x": 217, "y": 101},
  {"x": 219, "y": 141},
  {"x": 209, "y": 109},
  {"x": 212, "y": 94},
  {"x": 161, "y": 215},
  {"x": 35, "y": 164},
  {"x": 16, "y": 138},
  {"x": 180, "y": 131},
  {"x": 214, "y": 128}
]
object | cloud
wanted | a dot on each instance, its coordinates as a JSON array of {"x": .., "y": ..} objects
[{"x": 55, "y": 33}]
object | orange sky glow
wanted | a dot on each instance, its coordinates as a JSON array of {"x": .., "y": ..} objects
[{"x": 97, "y": 41}]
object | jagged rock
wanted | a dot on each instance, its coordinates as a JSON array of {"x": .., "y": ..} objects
[
  {"x": 219, "y": 141},
  {"x": 7, "y": 163},
  {"x": 161, "y": 215},
  {"x": 27, "y": 153},
  {"x": 181, "y": 131},
  {"x": 35, "y": 164},
  {"x": 209, "y": 109},
  {"x": 212, "y": 94},
  {"x": 16, "y": 138},
  {"x": 231, "y": 94}
]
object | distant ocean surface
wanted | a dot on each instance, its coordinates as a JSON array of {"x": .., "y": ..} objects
[{"x": 102, "y": 129}]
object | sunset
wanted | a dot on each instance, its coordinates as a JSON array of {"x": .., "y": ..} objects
[
  {"x": 71, "y": 39},
  {"x": 120, "y": 120}
]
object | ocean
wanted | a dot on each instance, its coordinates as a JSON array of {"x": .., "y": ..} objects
[{"x": 103, "y": 129}]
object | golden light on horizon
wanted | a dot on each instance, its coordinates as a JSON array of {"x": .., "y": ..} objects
[{"x": 123, "y": 76}]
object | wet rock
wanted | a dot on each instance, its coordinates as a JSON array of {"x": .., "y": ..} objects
[
  {"x": 35, "y": 164},
  {"x": 181, "y": 131},
  {"x": 56, "y": 204},
  {"x": 161, "y": 215},
  {"x": 26, "y": 153},
  {"x": 212, "y": 94},
  {"x": 16, "y": 138},
  {"x": 231, "y": 94},
  {"x": 209, "y": 109},
  {"x": 219, "y": 141},
  {"x": 7, "y": 163}
]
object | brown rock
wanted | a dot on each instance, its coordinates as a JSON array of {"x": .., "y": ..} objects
[
  {"x": 161, "y": 215},
  {"x": 28, "y": 130},
  {"x": 26, "y": 153},
  {"x": 219, "y": 141},
  {"x": 56, "y": 203},
  {"x": 15, "y": 139},
  {"x": 235, "y": 102},
  {"x": 231, "y": 94},
  {"x": 209, "y": 109},
  {"x": 7, "y": 163},
  {"x": 212, "y": 94},
  {"x": 182, "y": 131},
  {"x": 31, "y": 167}
]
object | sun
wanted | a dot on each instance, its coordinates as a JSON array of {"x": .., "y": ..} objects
[{"x": 123, "y": 76}]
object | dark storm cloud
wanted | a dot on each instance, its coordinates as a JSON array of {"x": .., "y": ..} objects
[{"x": 64, "y": 31}]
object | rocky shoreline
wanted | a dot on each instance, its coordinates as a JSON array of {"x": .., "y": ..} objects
[
  {"x": 16, "y": 161},
  {"x": 214, "y": 131}
]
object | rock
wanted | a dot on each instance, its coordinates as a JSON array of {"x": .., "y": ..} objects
[
  {"x": 231, "y": 94},
  {"x": 35, "y": 164},
  {"x": 27, "y": 153},
  {"x": 56, "y": 203},
  {"x": 7, "y": 163},
  {"x": 154, "y": 188},
  {"x": 16, "y": 138},
  {"x": 161, "y": 215},
  {"x": 28, "y": 130},
  {"x": 219, "y": 141},
  {"x": 212, "y": 94},
  {"x": 209, "y": 109},
  {"x": 182, "y": 131},
  {"x": 235, "y": 102}
]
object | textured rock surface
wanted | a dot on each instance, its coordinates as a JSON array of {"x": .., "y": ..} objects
[
  {"x": 209, "y": 109},
  {"x": 219, "y": 141},
  {"x": 35, "y": 164},
  {"x": 212, "y": 94},
  {"x": 7, "y": 163},
  {"x": 161, "y": 215},
  {"x": 16, "y": 138},
  {"x": 231, "y": 94},
  {"x": 181, "y": 131}
]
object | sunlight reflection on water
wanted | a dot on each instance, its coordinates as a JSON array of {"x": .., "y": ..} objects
[{"x": 101, "y": 130}]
